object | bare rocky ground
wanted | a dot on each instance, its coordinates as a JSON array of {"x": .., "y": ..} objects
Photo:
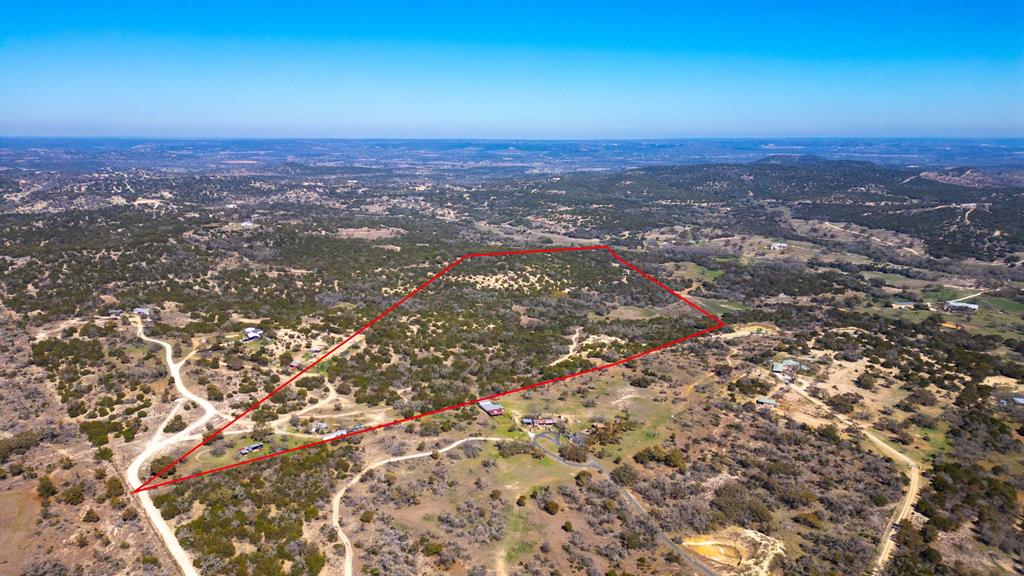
[{"x": 86, "y": 525}]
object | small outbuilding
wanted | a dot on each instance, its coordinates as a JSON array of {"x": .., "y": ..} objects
[{"x": 252, "y": 333}]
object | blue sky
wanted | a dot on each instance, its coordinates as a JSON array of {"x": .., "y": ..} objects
[{"x": 512, "y": 69}]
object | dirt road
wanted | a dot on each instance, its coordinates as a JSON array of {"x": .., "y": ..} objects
[
  {"x": 906, "y": 506},
  {"x": 876, "y": 239},
  {"x": 691, "y": 559},
  {"x": 573, "y": 348},
  {"x": 158, "y": 443},
  {"x": 279, "y": 424},
  {"x": 968, "y": 297},
  {"x": 336, "y": 500}
]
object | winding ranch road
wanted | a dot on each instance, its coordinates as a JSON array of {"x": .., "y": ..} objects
[
  {"x": 691, "y": 559},
  {"x": 336, "y": 500},
  {"x": 904, "y": 508},
  {"x": 968, "y": 297},
  {"x": 695, "y": 564},
  {"x": 886, "y": 242},
  {"x": 158, "y": 442}
]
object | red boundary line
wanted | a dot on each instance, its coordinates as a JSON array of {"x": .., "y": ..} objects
[{"x": 718, "y": 324}]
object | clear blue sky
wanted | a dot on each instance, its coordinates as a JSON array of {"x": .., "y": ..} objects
[{"x": 512, "y": 69}]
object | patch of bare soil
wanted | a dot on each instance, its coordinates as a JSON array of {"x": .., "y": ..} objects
[
  {"x": 18, "y": 512},
  {"x": 369, "y": 233},
  {"x": 738, "y": 551}
]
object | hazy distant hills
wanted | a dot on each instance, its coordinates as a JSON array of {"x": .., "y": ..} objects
[{"x": 507, "y": 157}]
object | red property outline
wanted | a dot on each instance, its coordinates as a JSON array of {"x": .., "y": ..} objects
[{"x": 718, "y": 324}]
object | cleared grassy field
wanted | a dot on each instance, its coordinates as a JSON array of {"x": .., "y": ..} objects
[
  {"x": 723, "y": 307},
  {"x": 943, "y": 294},
  {"x": 204, "y": 459},
  {"x": 1001, "y": 304}
]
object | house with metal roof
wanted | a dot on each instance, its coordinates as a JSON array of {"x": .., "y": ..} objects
[
  {"x": 491, "y": 408},
  {"x": 961, "y": 307}
]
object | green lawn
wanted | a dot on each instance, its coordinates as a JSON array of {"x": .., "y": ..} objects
[
  {"x": 943, "y": 294},
  {"x": 525, "y": 472},
  {"x": 894, "y": 280},
  {"x": 518, "y": 530},
  {"x": 706, "y": 274},
  {"x": 1001, "y": 304},
  {"x": 204, "y": 459},
  {"x": 653, "y": 418},
  {"x": 719, "y": 307}
]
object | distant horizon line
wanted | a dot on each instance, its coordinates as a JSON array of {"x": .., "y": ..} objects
[{"x": 506, "y": 138}]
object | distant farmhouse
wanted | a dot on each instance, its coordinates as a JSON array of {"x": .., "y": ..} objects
[
  {"x": 778, "y": 246},
  {"x": 142, "y": 311},
  {"x": 903, "y": 304},
  {"x": 491, "y": 408},
  {"x": 252, "y": 333},
  {"x": 960, "y": 307}
]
